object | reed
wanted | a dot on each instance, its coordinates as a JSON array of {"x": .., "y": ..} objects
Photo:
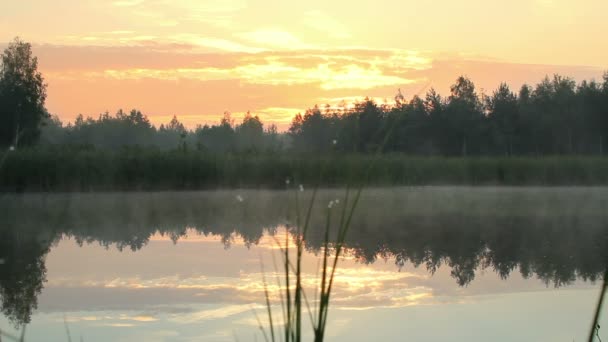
[{"x": 152, "y": 170}]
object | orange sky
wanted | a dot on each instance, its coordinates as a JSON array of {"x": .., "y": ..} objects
[{"x": 197, "y": 59}]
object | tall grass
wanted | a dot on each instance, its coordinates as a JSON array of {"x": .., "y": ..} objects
[
  {"x": 147, "y": 169},
  {"x": 595, "y": 327},
  {"x": 295, "y": 302},
  {"x": 293, "y": 313}
]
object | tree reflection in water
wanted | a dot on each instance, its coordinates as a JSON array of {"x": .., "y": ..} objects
[{"x": 557, "y": 235}]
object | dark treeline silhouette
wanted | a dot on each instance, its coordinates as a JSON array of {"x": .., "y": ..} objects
[
  {"x": 133, "y": 129},
  {"x": 125, "y": 151},
  {"x": 556, "y": 234},
  {"x": 554, "y": 117},
  {"x": 22, "y": 96},
  {"x": 136, "y": 169}
]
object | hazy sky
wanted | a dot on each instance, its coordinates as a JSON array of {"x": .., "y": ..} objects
[{"x": 198, "y": 59}]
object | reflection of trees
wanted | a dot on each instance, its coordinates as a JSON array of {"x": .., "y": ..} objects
[
  {"x": 22, "y": 272},
  {"x": 557, "y": 246},
  {"x": 556, "y": 250}
]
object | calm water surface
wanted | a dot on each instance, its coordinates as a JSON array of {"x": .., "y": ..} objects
[{"x": 423, "y": 264}]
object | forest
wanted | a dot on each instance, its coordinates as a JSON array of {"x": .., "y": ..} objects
[
  {"x": 554, "y": 117},
  {"x": 465, "y": 137}
]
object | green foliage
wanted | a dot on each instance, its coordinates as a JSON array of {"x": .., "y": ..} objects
[
  {"x": 555, "y": 117},
  {"x": 86, "y": 169},
  {"x": 22, "y": 95},
  {"x": 134, "y": 130},
  {"x": 250, "y": 134},
  {"x": 122, "y": 129}
]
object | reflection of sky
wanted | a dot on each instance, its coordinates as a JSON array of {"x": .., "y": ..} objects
[{"x": 198, "y": 290}]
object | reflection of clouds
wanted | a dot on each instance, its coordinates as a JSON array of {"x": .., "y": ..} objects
[
  {"x": 353, "y": 287},
  {"x": 189, "y": 277},
  {"x": 363, "y": 288},
  {"x": 209, "y": 314},
  {"x": 118, "y": 325},
  {"x": 107, "y": 319},
  {"x": 177, "y": 283}
]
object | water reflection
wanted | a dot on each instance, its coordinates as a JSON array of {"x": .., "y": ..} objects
[{"x": 558, "y": 234}]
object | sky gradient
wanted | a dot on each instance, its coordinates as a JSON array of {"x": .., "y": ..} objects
[{"x": 197, "y": 59}]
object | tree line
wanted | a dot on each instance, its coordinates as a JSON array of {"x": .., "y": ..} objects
[
  {"x": 554, "y": 117},
  {"x": 134, "y": 129}
]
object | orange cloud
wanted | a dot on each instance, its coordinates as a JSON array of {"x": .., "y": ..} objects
[{"x": 177, "y": 78}]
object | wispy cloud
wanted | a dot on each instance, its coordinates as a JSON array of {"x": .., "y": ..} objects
[
  {"x": 331, "y": 71},
  {"x": 207, "y": 75},
  {"x": 163, "y": 13},
  {"x": 326, "y": 24},
  {"x": 211, "y": 42},
  {"x": 274, "y": 38},
  {"x": 207, "y": 6},
  {"x": 110, "y": 317},
  {"x": 211, "y": 314},
  {"x": 127, "y": 3},
  {"x": 328, "y": 78}
]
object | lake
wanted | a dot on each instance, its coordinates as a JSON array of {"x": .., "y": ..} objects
[{"x": 422, "y": 263}]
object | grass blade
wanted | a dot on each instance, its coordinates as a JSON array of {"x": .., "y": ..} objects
[
  {"x": 268, "y": 307},
  {"x": 598, "y": 308}
]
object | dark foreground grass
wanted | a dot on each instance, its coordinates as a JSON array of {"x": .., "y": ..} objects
[{"x": 91, "y": 170}]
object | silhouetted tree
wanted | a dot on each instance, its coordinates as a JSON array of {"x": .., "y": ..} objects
[
  {"x": 22, "y": 95},
  {"x": 218, "y": 138},
  {"x": 554, "y": 117},
  {"x": 463, "y": 119},
  {"x": 503, "y": 113},
  {"x": 250, "y": 134}
]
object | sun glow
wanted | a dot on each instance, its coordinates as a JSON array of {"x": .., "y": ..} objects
[{"x": 197, "y": 55}]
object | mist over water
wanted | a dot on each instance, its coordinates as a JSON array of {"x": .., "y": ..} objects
[{"x": 136, "y": 260}]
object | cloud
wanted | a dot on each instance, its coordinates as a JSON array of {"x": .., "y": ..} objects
[
  {"x": 274, "y": 38},
  {"x": 110, "y": 317},
  {"x": 184, "y": 6},
  {"x": 277, "y": 115},
  {"x": 211, "y": 314},
  {"x": 330, "y": 75},
  {"x": 326, "y": 24},
  {"x": 164, "y": 13},
  {"x": 353, "y": 288},
  {"x": 199, "y": 77},
  {"x": 118, "y": 325},
  {"x": 207, "y": 6},
  {"x": 211, "y": 42},
  {"x": 546, "y": 3},
  {"x": 127, "y": 3}
]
